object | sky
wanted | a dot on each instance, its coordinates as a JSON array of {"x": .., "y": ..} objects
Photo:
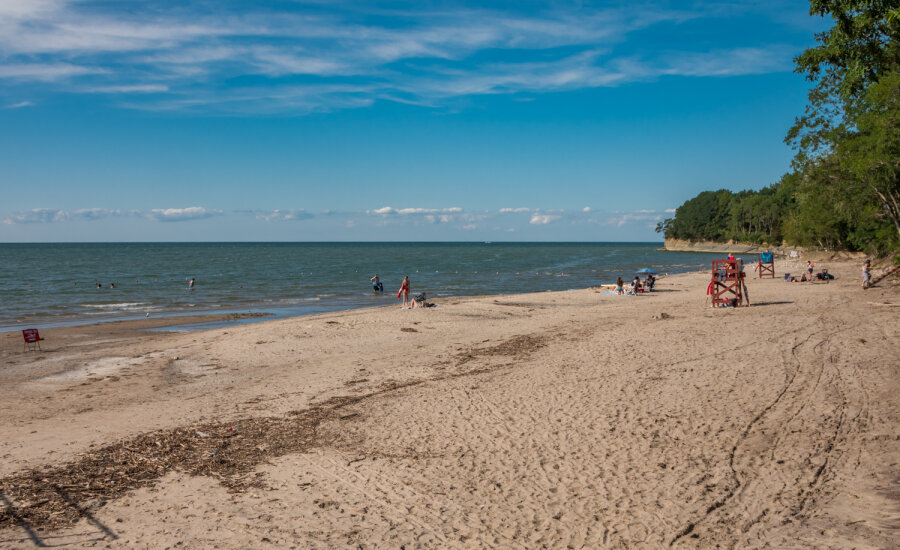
[{"x": 386, "y": 121}]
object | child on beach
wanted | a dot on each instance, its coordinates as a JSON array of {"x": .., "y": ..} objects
[
  {"x": 711, "y": 287},
  {"x": 866, "y": 275}
]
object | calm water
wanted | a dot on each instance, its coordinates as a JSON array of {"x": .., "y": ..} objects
[{"x": 50, "y": 284}]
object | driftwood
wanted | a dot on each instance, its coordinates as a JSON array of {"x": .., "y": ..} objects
[{"x": 884, "y": 275}]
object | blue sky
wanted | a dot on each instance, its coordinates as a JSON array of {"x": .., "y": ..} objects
[{"x": 312, "y": 121}]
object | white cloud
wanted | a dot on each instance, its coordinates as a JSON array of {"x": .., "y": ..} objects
[
  {"x": 389, "y": 211},
  {"x": 513, "y": 210},
  {"x": 181, "y": 214},
  {"x": 51, "y": 215},
  {"x": 586, "y": 209},
  {"x": 542, "y": 219},
  {"x": 20, "y": 104},
  {"x": 94, "y": 213},
  {"x": 37, "y": 215},
  {"x": 284, "y": 215}
]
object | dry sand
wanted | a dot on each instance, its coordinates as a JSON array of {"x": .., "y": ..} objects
[{"x": 555, "y": 420}]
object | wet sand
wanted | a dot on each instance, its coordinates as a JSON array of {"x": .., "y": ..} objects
[{"x": 560, "y": 419}]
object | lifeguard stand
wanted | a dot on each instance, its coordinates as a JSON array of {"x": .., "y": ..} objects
[
  {"x": 727, "y": 282},
  {"x": 766, "y": 266}
]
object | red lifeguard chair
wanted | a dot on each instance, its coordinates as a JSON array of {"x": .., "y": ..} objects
[
  {"x": 727, "y": 286},
  {"x": 766, "y": 266}
]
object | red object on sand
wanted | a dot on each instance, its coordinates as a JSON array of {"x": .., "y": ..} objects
[
  {"x": 727, "y": 282},
  {"x": 32, "y": 338}
]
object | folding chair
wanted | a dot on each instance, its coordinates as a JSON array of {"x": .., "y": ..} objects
[{"x": 32, "y": 339}]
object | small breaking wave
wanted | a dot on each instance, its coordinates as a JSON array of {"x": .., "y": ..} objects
[{"x": 123, "y": 306}]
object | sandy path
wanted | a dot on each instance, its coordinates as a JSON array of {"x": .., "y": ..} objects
[{"x": 554, "y": 420}]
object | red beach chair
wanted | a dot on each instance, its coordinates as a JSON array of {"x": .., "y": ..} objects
[{"x": 32, "y": 339}]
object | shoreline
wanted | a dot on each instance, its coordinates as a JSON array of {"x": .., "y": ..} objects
[{"x": 476, "y": 418}]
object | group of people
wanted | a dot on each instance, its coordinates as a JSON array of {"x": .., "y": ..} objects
[
  {"x": 809, "y": 276},
  {"x": 636, "y": 285},
  {"x": 419, "y": 300}
]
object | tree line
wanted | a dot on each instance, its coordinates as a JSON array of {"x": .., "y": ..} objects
[{"x": 843, "y": 189}]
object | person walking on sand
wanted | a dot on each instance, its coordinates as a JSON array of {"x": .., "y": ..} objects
[
  {"x": 404, "y": 291},
  {"x": 867, "y": 276}
]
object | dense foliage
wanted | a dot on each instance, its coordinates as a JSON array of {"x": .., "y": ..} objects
[{"x": 844, "y": 189}]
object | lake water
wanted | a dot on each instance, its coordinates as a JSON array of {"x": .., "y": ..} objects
[{"x": 52, "y": 284}]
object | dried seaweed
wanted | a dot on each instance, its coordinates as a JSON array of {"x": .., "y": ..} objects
[
  {"x": 226, "y": 452},
  {"x": 54, "y": 497}
]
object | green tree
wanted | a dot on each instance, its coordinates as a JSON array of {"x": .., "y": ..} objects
[
  {"x": 868, "y": 147},
  {"x": 846, "y": 140}
]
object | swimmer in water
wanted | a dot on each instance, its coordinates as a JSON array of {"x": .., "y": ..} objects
[
  {"x": 377, "y": 285},
  {"x": 191, "y": 284}
]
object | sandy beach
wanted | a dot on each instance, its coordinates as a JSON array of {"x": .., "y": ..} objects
[{"x": 573, "y": 419}]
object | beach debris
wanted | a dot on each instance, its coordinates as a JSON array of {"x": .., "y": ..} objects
[
  {"x": 42, "y": 497},
  {"x": 201, "y": 434},
  {"x": 662, "y": 316}
]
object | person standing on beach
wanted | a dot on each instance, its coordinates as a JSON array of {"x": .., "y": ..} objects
[
  {"x": 404, "y": 291},
  {"x": 809, "y": 267},
  {"x": 867, "y": 276}
]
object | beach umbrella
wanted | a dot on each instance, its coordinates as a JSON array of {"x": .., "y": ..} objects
[{"x": 645, "y": 270}]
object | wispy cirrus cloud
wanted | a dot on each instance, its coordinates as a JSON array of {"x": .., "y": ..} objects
[{"x": 300, "y": 58}]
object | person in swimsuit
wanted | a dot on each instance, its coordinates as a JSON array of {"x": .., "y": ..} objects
[
  {"x": 376, "y": 284},
  {"x": 191, "y": 284},
  {"x": 404, "y": 291},
  {"x": 619, "y": 286},
  {"x": 809, "y": 268}
]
